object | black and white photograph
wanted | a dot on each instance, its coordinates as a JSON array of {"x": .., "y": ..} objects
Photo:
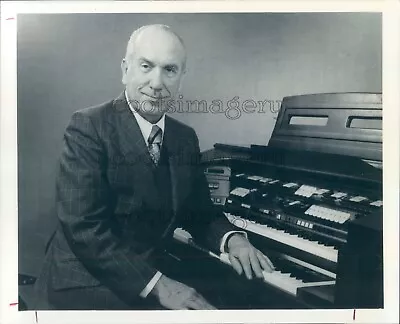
[{"x": 200, "y": 161}]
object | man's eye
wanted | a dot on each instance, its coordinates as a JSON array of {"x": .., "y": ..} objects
[
  {"x": 171, "y": 70},
  {"x": 145, "y": 66}
]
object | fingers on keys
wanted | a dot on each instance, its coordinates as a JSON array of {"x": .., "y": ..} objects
[
  {"x": 235, "y": 264},
  {"x": 255, "y": 264},
  {"x": 245, "y": 262},
  {"x": 265, "y": 262}
]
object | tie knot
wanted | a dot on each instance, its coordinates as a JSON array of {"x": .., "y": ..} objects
[{"x": 155, "y": 135}]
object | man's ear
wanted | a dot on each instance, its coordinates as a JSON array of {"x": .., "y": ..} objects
[{"x": 124, "y": 70}]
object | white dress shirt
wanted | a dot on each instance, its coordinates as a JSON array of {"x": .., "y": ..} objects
[{"x": 146, "y": 127}]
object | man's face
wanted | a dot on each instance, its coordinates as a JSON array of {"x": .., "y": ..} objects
[{"x": 153, "y": 71}]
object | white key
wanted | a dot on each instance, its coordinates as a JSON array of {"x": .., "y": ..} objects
[{"x": 282, "y": 282}]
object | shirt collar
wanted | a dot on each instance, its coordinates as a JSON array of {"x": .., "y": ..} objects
[{"x": 144, "y": 125}]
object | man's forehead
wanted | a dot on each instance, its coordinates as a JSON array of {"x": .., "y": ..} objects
[{"x": 159, "y": 48}]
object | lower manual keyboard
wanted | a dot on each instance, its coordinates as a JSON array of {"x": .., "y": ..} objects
[
  {"x": 279, "y": 279},
  {"x": 326, "y": 252},
  {"x": 284, "y": 281}
]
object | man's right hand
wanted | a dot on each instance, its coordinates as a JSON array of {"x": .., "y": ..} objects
[{"x": 175, "y": 295}]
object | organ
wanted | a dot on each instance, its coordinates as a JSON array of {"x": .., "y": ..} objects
[{"x": 311, "y": 199}]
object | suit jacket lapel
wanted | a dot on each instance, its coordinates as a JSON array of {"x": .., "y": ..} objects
[
  {"x": 134, "y": 150},
  {"x": 179, "y": 168}
]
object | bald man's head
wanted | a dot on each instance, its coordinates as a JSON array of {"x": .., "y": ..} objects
[
  {"x": 147, "y": 32},
  {"x": 152, "y": 69}
]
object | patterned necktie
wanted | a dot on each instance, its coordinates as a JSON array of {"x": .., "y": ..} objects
[{"x": 155, "y": 138}]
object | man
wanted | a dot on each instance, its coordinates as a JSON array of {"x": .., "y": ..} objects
[{"x": 129, "y": 175}]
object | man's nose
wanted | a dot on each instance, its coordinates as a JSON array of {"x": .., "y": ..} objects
[{"x": 156, "y": 83}]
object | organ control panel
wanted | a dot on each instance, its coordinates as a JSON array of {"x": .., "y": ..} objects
[{"x": 312, "y": 198}]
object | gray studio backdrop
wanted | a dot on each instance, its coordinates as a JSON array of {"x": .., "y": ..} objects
[{"x": 71, "y": 61}]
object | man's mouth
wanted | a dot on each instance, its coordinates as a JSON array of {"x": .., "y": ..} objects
[{"x": 153, "y": 98}]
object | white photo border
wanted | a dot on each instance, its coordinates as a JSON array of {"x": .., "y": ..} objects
[{"x": 8, "y": 164}]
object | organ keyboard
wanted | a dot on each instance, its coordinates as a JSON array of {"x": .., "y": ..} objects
[
  {"x": 311, "y": 199},
  {"x": 284, "y": 237},
  {"x": 287, "y": 278}
]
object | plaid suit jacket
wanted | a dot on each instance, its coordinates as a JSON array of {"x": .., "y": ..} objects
[{"x": 109, "y": 227}]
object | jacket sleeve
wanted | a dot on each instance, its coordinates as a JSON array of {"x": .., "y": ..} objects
[
  {"x": 82, "y": 195},
  {"x": 206, "y": 222}
]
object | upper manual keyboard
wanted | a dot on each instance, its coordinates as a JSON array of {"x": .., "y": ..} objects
[{"x": 316, "y": 248}]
